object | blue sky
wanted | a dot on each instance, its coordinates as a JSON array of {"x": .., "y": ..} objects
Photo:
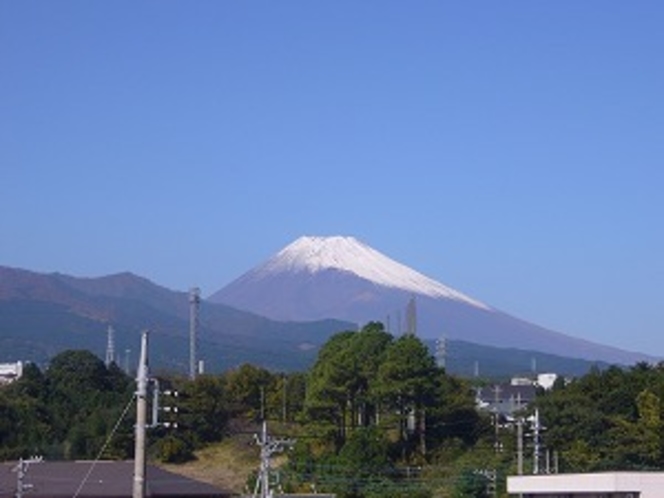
[{"x": 512, "y": 150}]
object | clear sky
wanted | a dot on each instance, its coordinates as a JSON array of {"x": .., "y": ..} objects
[{"x": 513, "y": 150}]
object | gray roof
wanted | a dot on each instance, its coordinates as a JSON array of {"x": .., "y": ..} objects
[{"x": 107, "y": 479}]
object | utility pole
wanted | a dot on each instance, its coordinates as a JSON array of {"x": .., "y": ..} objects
[
  {"x": 269, "y": 446},
  {"x": 497, "y": 402},
  {"x": 21, "y": 470},
  {"x": 141, "y": 420},
  {"x": 284, "y": 407},
  {"x": 536, "y": 442},
  {"x": 519, "y": 444}
]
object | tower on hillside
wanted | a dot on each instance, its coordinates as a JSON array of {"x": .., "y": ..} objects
[
  {"x": 441, "y": 352},
  {"x": 110, "y": 346},
  {"x": 411, "y": 317},
  {"x": 194, "y": 311}
]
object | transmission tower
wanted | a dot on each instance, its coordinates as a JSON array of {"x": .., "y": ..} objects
[
  {"x": 194, "y": 312},
  {"x": 110, "y": 346}
]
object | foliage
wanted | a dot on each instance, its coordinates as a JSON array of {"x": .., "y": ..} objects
[
  {"x": 377, "y": 402},
  {"x": 607, "y": 420},
  {"x": 374, "y": 416},
  {"x": 245, "y": 389},
  {"x": 471, "y": 484},
  {"x": 174, "y": 449},
  {"x": 68, "y": 411},
  {"x": 204, "y": 409}
]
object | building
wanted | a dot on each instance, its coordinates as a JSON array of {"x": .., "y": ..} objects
[
  {"x": 596, "y": 485},
  {"x": 546, "y": 380},
  {"x": 9, "y": 372},
  {"x": 101, "y": 479}
]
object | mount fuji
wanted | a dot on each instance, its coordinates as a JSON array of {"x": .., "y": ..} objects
[{"x": 317, "y": 278}]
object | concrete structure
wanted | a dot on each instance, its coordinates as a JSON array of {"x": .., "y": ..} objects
[{"x": 597, "y": 485}]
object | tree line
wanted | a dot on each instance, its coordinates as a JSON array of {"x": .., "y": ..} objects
[{"x": 373, "y": 416}]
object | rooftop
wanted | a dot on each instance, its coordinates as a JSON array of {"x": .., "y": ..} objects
[{"x": 108, "y": 479}]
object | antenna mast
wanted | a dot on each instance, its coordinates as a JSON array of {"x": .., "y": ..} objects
[
  {"x": 194, "y": 312},
  {"x": 411, "y": 317},
  {"x": 441, "y": 352},
  {"x": 110, "y": 346}
]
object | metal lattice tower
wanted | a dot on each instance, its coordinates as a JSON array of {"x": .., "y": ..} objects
[
  {"x": 110, "y": 346},
  {"x": 194, "y": 313}
]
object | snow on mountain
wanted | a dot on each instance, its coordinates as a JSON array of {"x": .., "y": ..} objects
[
  {"x": 316, "y": 278},
  {"x": 315, "y": 254}
]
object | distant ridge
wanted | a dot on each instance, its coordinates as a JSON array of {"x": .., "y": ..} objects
[
  {"x": 342, "y": 278},
  {"x": 43, "y": 314}
]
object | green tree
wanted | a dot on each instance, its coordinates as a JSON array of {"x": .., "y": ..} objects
[
  {"x": 84, "y": 399},
  {"x": 406, "y": 384},
  {"x": 597, "y": 422},
  {"x": 246, "y": 389},
  {"x": 471, "y": 484},
  {"x": 205, "y": 409},
  {"x": 362, "y": 460},
  {"x": 174, "y": 449},
  {"x": 340, "y": 384}
]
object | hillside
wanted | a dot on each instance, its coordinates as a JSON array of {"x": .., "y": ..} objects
[
  {"x": 227, "y": 465},
  {"x": 43, "y": 314}
]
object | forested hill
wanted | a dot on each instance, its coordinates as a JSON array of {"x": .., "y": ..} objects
[{"x": 373, "y": 417}]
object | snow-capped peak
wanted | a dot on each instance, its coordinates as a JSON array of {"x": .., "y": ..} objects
[{"x": 313, "y": 254}]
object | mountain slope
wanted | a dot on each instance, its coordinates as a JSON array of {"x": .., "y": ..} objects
[
  {"x": 43, "y": 314},
  {"x": 339, "y": 277}
]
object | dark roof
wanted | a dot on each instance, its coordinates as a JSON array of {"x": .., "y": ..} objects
[
  {"x": 106, "y": 479},
  {"x": 526, "y": 393}
]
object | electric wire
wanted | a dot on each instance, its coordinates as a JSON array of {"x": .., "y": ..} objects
[{"x": 103, "y": 448}]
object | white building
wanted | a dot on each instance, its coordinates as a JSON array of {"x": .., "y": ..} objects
[
  {"x": 9, "y": 372},
  {"x": 546, "y": 380},
  {"x": 597, "y": 485}
]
